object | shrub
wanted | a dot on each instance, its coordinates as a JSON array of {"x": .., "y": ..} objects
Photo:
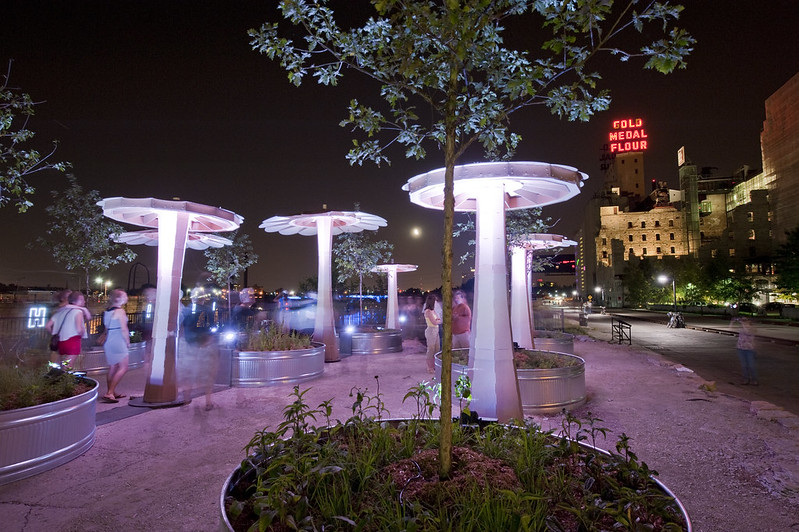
[
  {"x": 273, "y": 338},
  {"x": 21, "y": 387}
]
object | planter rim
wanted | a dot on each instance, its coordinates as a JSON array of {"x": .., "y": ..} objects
[{"x": 314, "y": 346}]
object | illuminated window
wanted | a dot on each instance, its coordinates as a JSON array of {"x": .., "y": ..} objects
[
  {"x": 769, "y": 216},
  {"x": 713, "y": 253},
  {"x": 732, "y": 252},
  {"x": 751, "y": 234}
]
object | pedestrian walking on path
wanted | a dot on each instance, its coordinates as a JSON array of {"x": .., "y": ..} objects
[{"x": 746, "y": 349}]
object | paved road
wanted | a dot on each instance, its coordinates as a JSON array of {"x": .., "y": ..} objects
[{"x": 707, "y": 346}]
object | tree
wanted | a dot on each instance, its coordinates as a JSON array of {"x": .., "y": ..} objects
[
  {"x": 17, "y": 163},
  {"x": 639, "y": 282},
  {"x": 451, "y": 58},
  {"x": 79, "y": 236},
  {"x": 228, "y": 262},
  {"x": 356, "y": 255},
  {"x": 787, "y": 262}
]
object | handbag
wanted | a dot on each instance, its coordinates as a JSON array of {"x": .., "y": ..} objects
[
  {"x": 54, "y": 339},
  {"x": 101, "y": 338}
]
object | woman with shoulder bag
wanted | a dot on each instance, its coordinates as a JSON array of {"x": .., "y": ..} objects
[
  {"x": 116, "y": 345},
  {"x": 68, "y": 323}
]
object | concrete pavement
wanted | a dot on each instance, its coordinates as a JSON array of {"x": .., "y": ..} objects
[{"x": 732, "y": 463}]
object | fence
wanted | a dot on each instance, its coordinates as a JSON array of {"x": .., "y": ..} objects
[{"x": 620, "y": 331}]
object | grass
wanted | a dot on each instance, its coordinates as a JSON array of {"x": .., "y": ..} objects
[
  {"x": 21, "y": 386},
  {"x": 369, "y": 474},
  {"x": 273, "y": 338}
]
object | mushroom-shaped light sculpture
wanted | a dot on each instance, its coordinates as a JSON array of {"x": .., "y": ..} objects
[
  {"x": 489, "y": 189},
  {"x": 175, "y": 225},
  {"x": 392, "y": 307},
  {"x": 521, "y": 308},
  {"x": 198, "y": 241},
  {"x": 324, "y": 225}
]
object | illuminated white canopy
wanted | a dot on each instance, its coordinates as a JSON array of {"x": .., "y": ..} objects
[
  {"x": 146, "y": 212},
  {"x": 526, "y": 184},
  {"x": 198, "y": 241},
  {"x": 536, "y": 241},
  {"x": 392, "y": 307},
  {"x": 307, "y": 224},
  {"x": 324, "y": 225}
]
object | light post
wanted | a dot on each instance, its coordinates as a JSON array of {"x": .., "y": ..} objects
[
  {"x": 600, "y": 291},
  {"x": 104, "y": 283},
  {"x": 663, "y": 279}
]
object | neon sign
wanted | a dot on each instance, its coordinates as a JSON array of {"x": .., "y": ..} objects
[
  {"x": 628, "y": 135},
  {"x": 37, "y": 317}
]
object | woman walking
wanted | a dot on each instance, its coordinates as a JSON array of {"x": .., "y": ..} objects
[
  {"x": 68, "y": 324},
  {"x": 432, "y": 320},
  {"x": 116, "y": 344}
]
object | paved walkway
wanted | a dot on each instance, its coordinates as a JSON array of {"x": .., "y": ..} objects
[{"x": 732, "y": 463}]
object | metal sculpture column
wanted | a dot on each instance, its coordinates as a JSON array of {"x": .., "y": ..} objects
[
  {"x": 174, "y": 221},
  {"x": 488, "y": 189},
  {"x": 522, "y": 323},
  {"x": 325, "y": 225},
  {"x": 392, "y": 306}
]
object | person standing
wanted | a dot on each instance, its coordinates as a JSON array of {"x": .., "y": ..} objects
[
  {"x": 432, "y": 320},
  {"x": 746, "y": 350},
  {"x": 117, "y": 343},
  {"x": 461, "y": 320},
  {"x": 69, "y": 324}
]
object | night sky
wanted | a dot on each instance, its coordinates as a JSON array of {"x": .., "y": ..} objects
[{"x": 166, "y": 99}]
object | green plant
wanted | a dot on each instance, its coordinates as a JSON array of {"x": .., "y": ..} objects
[
  {"x": 370, "y": 474},
  {"x": 273, "y": 338},
  {"x": 527, "y": 359},
  {"x": 21, "y": 387}
]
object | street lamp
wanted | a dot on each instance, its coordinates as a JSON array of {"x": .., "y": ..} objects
[
  {"x": 663, "y": 279},
  {"x": 600, "y": 291}
]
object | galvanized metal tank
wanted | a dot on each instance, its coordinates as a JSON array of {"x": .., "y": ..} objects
[{"x": 252, "y": 369}]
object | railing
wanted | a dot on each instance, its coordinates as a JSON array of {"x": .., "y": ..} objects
[{"x": 620, "y": 331}]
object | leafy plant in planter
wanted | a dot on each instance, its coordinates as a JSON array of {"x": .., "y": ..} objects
[
  {"x": 21, "y": 386},
  {"x": 370, "y": 473},
  {"x": 273, "y": 338}
]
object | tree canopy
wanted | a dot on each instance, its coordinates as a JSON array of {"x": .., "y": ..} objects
[
  {"x": 17, "y": 162},
  {"x": 78, "y": 234},
  {"x": 787, "y": 262}
]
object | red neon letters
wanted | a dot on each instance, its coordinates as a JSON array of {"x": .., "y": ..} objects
[{"x": 628, "y": 135}]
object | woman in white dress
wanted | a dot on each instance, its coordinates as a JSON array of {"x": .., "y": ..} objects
[{"x": 116, "y": 344}]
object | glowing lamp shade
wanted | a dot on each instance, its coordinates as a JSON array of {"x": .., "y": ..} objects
[
  {"x": 324, "y": 225},
  {"x": 175, "y": 225},
  {"x": 392, "y": 309},
  {"x": 488, "y": 189}
]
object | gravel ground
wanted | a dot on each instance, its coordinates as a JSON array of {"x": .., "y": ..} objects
[{"x": 733, "y": 463}]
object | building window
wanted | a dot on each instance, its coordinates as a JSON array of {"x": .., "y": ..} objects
[
  {"x": 731, "y": 235},
  {"x": 604, "y": 254},
  {"x": 706, "y": 207},
  {"x": 752, "y": 251},
  {"x": 751, "y": 234},
  {"x": 604, "y": 241},
  {"x": 632, "y": 251},
  {"x": 713, "y": 253},
  {"x": 671, "y": 223},
  {"x": 658, "y": 251},
  {"x": 657, "y": 236},
  {"x": 672, "y": 251},
  {"x": 630, "y": 238},
  {"x": 643, "y": 225},
  {"x": 643, "y": 238},
  {"x": 643, "y": 251},
  {"x": 657, "y": 223},
  {"x": 671, "y": 236},
  {"x": 750, "y": 217},
  {"x": 629, "y": 225},
  {"x": 732, "y": 252},
  {"x": 769, "y": 216}
]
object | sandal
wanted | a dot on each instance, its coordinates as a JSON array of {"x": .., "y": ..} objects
[
  {"x": 106, "y": 399},
  {"x": 119, "y": 395}
]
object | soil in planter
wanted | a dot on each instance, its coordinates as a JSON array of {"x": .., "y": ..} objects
[{"x": 470, "y": 470}]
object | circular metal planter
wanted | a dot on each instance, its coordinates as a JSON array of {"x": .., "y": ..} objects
[
  {"x": 42, "y": 437},
  {"x": 542, "y": 391},
  {"x": 370, "y": 341},
  {"x": 253, "y": 369},
  {"x": 93, "y": 360},
  {"x": 226, "y": 526}
]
